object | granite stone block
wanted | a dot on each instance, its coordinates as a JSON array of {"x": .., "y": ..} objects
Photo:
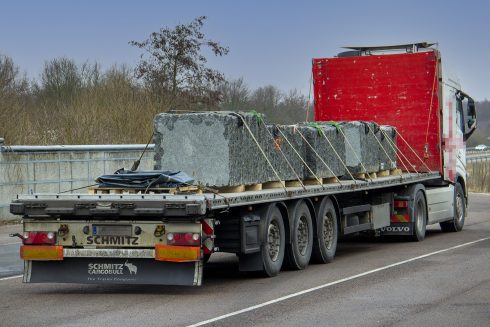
[
  {"x": 215, "y": 148},
  {"x": 387, "y": 153},
  {"x": 284, "y": 150},
  {"x": 330, "y": 151},
  {"x": 361, "y": 147}
]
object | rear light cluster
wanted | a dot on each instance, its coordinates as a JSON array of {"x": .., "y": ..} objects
[
  {"x": 183, "y": 239},
  {"x": 47, "y": 238}
]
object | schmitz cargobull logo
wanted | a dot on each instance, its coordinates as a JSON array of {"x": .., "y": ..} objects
[{"x": 112, "y": 268}]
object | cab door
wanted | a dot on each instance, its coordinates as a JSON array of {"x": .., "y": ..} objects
[{"x": 453, "y": 135}]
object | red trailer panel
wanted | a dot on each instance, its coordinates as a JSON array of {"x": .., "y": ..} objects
[{"x": 391, "y": 89}]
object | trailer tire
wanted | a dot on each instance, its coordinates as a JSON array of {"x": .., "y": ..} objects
[
  {"x": 299, "y": 250},
  {"x": 273, "y": 246},
  {"x": 419, "y": 217},
  {"x": 325, "y": 240},
  {"x": 456, "y": 224}
]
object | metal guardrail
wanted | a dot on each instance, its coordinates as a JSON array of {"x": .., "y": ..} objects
[
  {"x": 477, "y": 155},
  {"x": 75, "y": 148}
]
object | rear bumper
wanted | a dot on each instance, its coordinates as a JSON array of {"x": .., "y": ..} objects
[{"x": 110, "y": 270}]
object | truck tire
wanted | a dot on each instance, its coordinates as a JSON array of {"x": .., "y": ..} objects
[
  {"x": 325, "y": 240},
  {"x": 456, "y": 224},
  {"x": 419, "y": 217},
  {"x": 298, "y": 252},
  {"x": 273, "y": 247}
]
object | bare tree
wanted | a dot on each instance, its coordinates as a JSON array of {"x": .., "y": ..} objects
[
  {"x": 266, "y": 98},
  {"x": 60, "y": 80},
  {"x": 174, "y": 63},
  {"x": 10, "y": 79},
  {"x": 235, "y": 95}
]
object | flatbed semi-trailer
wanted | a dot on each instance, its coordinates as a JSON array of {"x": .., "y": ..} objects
[
  {"x": 190, "y": 203},
  {"x": 130, "y": 236},
  {"x": 117, "y": 230}
]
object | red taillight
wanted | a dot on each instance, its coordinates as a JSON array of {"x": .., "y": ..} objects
[
  {"x": 183, "y": 239},
  {"x": 400, "y": 204},
  {"x": 39, "y": 238}
]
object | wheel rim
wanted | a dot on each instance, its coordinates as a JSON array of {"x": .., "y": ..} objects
[
  {"x": 420, "y": 216},
  {"x": 328, "y": 232},
  {"x": 459, "y": 208},
  {"x": 302, "y": 235},
  {"x": 273, "y": 240}
]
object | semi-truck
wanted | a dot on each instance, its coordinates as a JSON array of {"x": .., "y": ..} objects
[{"x": 166, "y": 236}]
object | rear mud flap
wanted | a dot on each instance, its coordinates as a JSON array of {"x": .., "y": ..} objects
[{"x": 113, "y": 271}]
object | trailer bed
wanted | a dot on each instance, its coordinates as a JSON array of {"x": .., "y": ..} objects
[{"x": 142, "y": 206}]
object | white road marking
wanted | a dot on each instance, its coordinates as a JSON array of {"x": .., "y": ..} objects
[
  {"x": 479, "y": 193},
  {"x": 283, "y": 298},
  {"x": 11, "y": 277}
]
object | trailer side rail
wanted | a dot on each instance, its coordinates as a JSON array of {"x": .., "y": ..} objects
[{"x": 188, "y": 205}]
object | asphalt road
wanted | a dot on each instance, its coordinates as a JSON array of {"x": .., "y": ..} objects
[{"x": 443, "y": 281}]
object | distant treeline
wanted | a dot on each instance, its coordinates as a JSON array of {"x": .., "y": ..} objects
[{"x": 74, "y": 103}]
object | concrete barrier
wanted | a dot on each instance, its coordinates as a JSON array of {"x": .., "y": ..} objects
[{"x": 58, "y": 168}]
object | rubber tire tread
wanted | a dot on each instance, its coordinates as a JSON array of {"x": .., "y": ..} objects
[
  {"x": 272, "y": 268},
  {"x": 416, "y": 237},
  {"x": 294, "y": 259},
  {"x": 320, "y": 252},
  {"x": 453, "y": 224}
]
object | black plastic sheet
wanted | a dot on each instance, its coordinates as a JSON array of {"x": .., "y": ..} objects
[{"x": 144, "y": 179}]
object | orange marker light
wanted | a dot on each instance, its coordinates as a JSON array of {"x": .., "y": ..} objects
[
  {"x": 41, "y": 252},
  {"x": 174, "y": 253}
]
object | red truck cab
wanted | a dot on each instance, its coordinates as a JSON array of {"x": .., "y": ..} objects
[{"x": 407, "y": 87}]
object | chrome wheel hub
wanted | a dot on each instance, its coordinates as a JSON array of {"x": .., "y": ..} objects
[
  {"x": 273, "y": 240},
  {"x": 328, "y": 231},
  {"x": 459, "y": 207},
  {"x": 302, "y": 235}
]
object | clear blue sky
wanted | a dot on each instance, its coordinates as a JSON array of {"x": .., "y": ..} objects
[{"x": 271, "y": 42}]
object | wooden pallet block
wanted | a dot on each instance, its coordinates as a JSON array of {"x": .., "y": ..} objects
[
  {"x": 360, "y": 175},
  {"x": 395, "y": 172},
  {"x": 294, "y": 183},
  {"x": 330, "y": 180},
  {"x": 383, "y": 173},
  {"x": 232, "y": 189},
  {"x": 253, "y": 187},
  {"x": 275, "y": 184},
  {"x": 313, "y": 181},
  {"x": 190, "y": 188},
  {"x": 372, "y": 175}
]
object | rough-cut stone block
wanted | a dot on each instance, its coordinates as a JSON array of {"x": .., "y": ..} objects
[
  {"x": 215, "y": 148},
  {"x": 284, "y": 141},
  {"x": 387, "y": 153},
  {"x": 361, "y": 147},
  {"x": 329, "y": 145}
]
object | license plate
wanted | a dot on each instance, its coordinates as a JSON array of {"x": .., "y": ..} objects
[{"x": 112, "y": 230}]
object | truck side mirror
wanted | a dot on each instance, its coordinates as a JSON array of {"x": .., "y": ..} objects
[{"x": 471, "y": 117}]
